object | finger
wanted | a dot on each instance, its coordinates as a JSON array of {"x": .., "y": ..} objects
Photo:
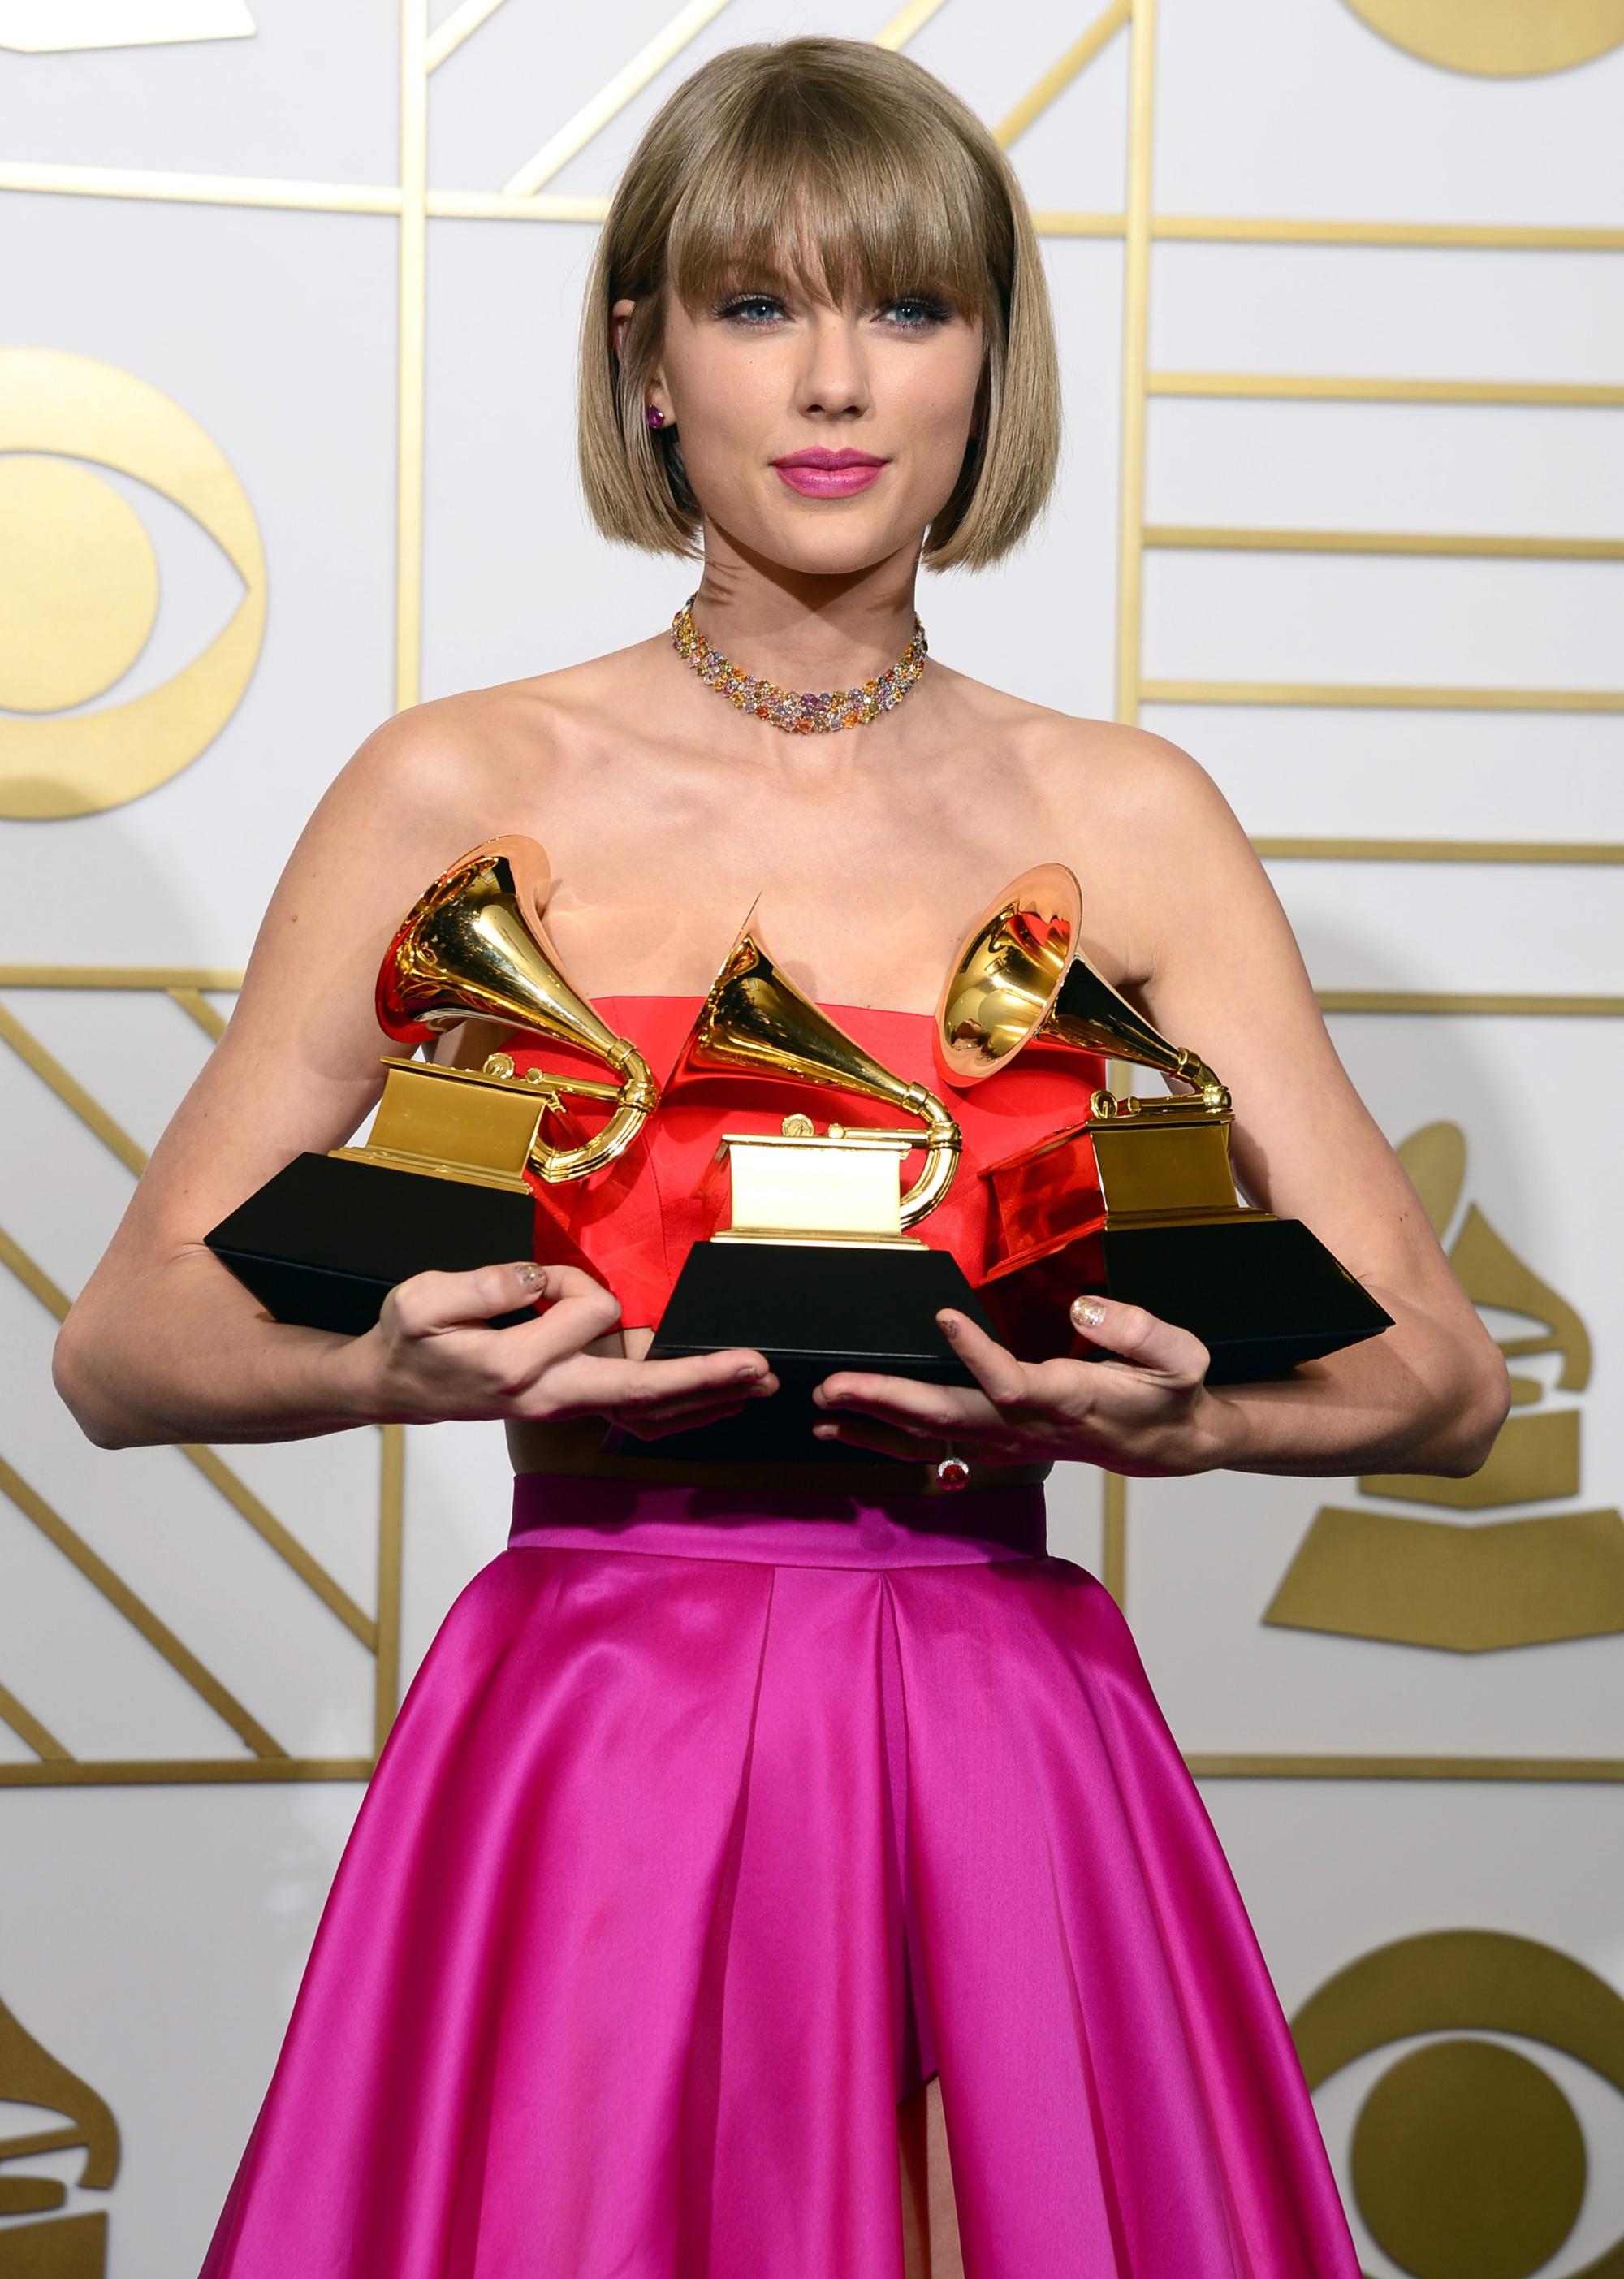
[
  {"x": 732, "y": 1395},
  {"x": 905, "y": 1402},
  {"x": 1005, "y": 1380},
  {"x": 431, "y": 1304},
  {"x": 1144, "y": 1338},
  {"x": 881, "y": 1440},
  {"x": 658, "y": 1428},
  {"x": 599, "y": 1384}
]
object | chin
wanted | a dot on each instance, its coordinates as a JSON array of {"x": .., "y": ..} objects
[{"x": 832, "y": 552}]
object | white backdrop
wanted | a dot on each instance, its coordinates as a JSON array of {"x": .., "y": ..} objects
[{"x": 1333, "y": 287}]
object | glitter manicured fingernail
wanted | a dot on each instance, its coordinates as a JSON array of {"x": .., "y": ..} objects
[{"x": 1087, "y": 1313}]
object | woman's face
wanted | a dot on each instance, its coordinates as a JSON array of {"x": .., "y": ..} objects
[{"x": 759, "y": 376}]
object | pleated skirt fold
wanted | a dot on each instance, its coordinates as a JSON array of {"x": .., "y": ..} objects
[{"x": 705, "y": 1834}]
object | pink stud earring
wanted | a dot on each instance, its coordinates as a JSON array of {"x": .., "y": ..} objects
[{"x": 654, "y": 415}]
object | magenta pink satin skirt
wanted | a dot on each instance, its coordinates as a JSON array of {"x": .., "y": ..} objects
[{"x": 704, "y": 1835}]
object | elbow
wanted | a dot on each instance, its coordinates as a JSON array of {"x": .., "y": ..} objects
[
  {"x": 1480, "y": 1404},
  {"x": 77, "y": 1379}
]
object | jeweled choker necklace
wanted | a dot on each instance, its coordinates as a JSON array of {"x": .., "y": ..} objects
[{"x": 798, "y": 714}]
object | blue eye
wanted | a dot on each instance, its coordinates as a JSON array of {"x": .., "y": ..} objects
[
  {"x": 750, "y": 301},
  {"x": 932, "y": 311}
]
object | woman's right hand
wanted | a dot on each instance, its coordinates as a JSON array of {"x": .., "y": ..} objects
[{"x": 434, "y": 1356}]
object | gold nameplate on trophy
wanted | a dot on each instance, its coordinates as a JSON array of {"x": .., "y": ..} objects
[
  {"x": 803, "y": 1185},
  {"x": 475, "y": 1127}
]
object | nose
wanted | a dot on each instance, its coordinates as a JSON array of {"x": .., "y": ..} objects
[{"x": 833, "y": 375}]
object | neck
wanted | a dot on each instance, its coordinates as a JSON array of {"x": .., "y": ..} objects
[{"x": 804, "y": 631}]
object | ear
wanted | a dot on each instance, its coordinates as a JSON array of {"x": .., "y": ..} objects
[{"x": 620, "y": 316}]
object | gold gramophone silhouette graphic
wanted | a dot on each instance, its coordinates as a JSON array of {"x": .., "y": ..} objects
[
  {"x": 816, "y": 1267},
  {"x": 61, "y": 2247},
  {"x": 1472, "y": 1584},
  {"x": 441, "y": 1179}
]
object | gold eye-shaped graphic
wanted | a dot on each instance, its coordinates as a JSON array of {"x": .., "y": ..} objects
[
  {"x": 79, "y": 585},
  {"x": 1498, "y": 39},
  {"x": 1468, "y": 2163}
]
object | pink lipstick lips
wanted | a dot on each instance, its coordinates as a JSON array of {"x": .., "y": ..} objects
[{"x": 829, "y": 474}]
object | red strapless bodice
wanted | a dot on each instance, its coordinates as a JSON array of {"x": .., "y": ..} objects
[{"x": 636, "y": 1220}]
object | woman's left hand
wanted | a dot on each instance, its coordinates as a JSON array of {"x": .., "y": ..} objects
[{"x": 1143, "y": 1409}]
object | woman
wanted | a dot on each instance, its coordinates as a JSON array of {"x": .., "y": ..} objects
[{"x": 753, "y": 1832}]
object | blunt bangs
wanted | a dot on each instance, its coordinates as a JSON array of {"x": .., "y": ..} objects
[{"x": 797, "y": 191}]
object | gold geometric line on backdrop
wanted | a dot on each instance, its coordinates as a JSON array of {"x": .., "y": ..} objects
[
  {"x": 1357, "y": 695},
  {"x": 196, "y": 1008},
  {"x": 1215, "y": 539},
  {"x": 217, "y": 980},
  {"x": 446, "y": 38},
  {"x": 1324, "y": 387},
  {"x": 613, "y": 96},
  {"x": 71, "y": 1093},
  {"x": 1054, "y": 81},
  {"x": 284, "y": 193},
  {"x": 379, "y": 1634},
  {"x": 1371, "y": 1765},
  {"x": 45, "y": 179},
  {"x": 1579, "y": 851},
  {"x": 135, "y": 1611},
  {"x": 412, "y": 357},
  {"x": 906, "y": 22},
  {"x": 1138, "y": 199},
  {"x": 1513, "y": 1003},
  {"x": 1435, "y": 236},
  {"x": 218, "y": 1474},
  {"x": 30, "y": 1730}
]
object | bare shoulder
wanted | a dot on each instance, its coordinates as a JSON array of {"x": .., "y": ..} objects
[
  {"x": 1137, "y": 818},
  {"x": 1098, "y": 780}
]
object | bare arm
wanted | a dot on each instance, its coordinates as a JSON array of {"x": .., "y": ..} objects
[
  {"x": 165, "y": 1344},
  {"x": 1226, "y": 976},
  {"x": 1212, "y": 960}
]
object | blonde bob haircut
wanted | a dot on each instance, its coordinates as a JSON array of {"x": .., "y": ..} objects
[{"x": 853, "y": 170}]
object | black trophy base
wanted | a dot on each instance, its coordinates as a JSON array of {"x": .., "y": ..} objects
[
  {"x": 324, "y": 1241},
  {"x": 811, "y": 1309},
  {"x": 1261, "y": 1293}
]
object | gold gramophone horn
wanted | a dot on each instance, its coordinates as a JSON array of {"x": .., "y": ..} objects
[
  {"x": 1018, "y": 975},
  {"x": 756, "y": 1022},
  {"x": 474, "y": 948}
]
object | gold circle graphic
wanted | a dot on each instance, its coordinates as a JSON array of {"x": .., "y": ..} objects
[
  {"x": 78, "y": 584},
  {"x": 1468, "y": 2163},
  {"x": 1462, "y": 1983},
  {"x": 1498, "y": 39},
  {"x": 69, "y": 407}
]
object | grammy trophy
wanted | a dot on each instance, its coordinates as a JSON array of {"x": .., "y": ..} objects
[
  {"x": 444, "y": 1178},
  {"x": 1137, "y": 1199},
  {"x": 816, "y": 1267}
]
